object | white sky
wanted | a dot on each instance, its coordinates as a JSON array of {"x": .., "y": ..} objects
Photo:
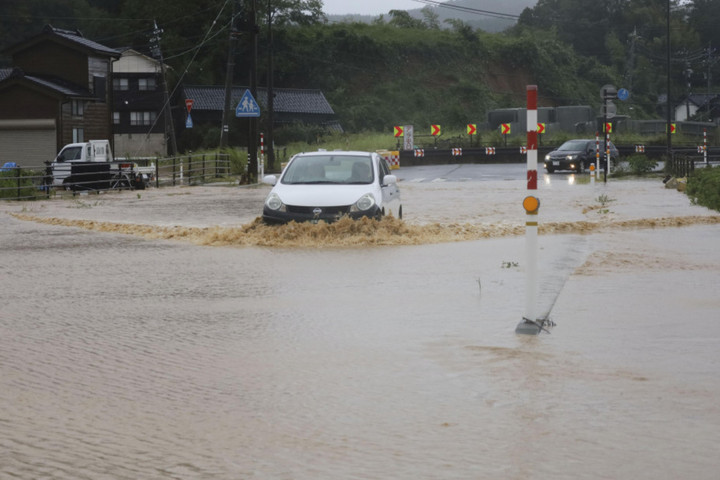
[{"x": 368, "y": 7}]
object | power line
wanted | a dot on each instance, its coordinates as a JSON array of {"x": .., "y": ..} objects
[{"x": 477, "y": 11}]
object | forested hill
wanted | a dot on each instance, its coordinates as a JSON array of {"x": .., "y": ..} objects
[
  {"x": 485, "y": 15},
  {"x": 400, "y": 69}
]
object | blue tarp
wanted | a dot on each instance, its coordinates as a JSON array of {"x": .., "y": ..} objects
[{"x": 7, "y": 166}]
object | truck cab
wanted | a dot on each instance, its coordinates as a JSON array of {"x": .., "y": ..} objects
[{"x": 92, "y": 152}]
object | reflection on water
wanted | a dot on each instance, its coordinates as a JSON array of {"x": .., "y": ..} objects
[{"x": 130, "y": 356}]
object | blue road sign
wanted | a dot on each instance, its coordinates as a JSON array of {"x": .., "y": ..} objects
[
  {"x": 188, "y": 122},
  {"x": 623, "y": 94},
  {"x": 247, "y": 106}
]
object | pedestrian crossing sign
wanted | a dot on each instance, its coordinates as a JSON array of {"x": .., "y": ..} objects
[{"x": 247, "y": 106}]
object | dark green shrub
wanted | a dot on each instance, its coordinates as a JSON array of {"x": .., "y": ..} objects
[
  {"x": 703, "y": 187},
  {"x": 640, "y": 164},
  {"x": 13, "y": 187}
]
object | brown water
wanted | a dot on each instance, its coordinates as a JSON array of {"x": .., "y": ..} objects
[{"x": 155, "y": 355}]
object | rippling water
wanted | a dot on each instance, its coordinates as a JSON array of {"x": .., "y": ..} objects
[{"x": 128, "y": 358}]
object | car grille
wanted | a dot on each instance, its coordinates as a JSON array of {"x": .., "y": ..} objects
[{"x": 342, "y": 210}]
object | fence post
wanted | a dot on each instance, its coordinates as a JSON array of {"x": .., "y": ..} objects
[
  {"x": 157, "y": 172},
  {"x": 174, "y": 161},
  {"x": 203, "y": 169},
  {"x": 18, "y": 182},
  {"x": 190, "y": 170}
]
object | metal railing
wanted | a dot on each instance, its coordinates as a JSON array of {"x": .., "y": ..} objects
[
  {"x": 684, "y": 164},
  {"x": 36, "y": 182},
  {"x": 192, "y": 169}
]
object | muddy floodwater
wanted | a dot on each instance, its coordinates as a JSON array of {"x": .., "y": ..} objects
[{"x": 167, "y": 334}]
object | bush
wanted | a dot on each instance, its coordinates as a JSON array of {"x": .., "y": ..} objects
[
  {"x": 9, "y": 187},
  {"x": 703, "y": 187},
  {"x": 640, "y": 164},
  {"x": 238, "y": 160}
]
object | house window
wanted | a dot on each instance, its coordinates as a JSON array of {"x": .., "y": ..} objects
[
  {"x": 116, "y": 118},
  {"x": 78, "y": 135},
  {"x": 142, "y": 118},
  {"x": 146, "y": 84},
  {"x": 120, "y": 84},
  {"x": 77, "y": 108}
]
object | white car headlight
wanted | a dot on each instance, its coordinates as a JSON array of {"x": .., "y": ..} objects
[
  {"x": 273, "y": 201},
  {"x": 571, "y": 157},
  {"x": 366, "y": 202},
  {"x": 547, "y": 157}
]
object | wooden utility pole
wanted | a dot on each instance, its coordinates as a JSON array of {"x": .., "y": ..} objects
[
  {"x": 167, "y": 108},
  {"x": 253, "y": 128},
  {"x": 270, "y": 93},
  {"x": 226, "y": 116}
]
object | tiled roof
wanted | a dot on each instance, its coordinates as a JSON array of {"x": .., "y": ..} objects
[
  {"x": 53, "y": 83},
  {"x": 287, "y": 100},
  {"x": 59, "y": 86},
  {"x": 77, "y": 37},
  {"x": 72, "y": 36}
]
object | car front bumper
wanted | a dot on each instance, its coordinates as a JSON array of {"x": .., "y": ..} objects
[{"x": 315, "y": 214}]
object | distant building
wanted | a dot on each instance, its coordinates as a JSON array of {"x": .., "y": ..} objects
[
  {"x": 138, "y": 99},
  {"x": 291, "y": 105},
  {"x": 696, "y": 103},
  {"x": 58, "y": 92}
]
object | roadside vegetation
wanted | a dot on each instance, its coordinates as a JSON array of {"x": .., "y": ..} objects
[
  {"x": 703, "y": 187},
  {"x": 13, "y": 185}
]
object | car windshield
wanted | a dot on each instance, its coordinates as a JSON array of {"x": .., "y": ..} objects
[
  {"x": 70, "y": 153},
  {"x": 573, "y": 145},
  {"x": 329, "y": 169}
]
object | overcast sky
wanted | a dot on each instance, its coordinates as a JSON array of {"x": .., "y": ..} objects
[{"x": 368, "y": 7}]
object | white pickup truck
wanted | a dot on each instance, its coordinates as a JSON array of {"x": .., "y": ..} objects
[{"x": 90, "y": 166}]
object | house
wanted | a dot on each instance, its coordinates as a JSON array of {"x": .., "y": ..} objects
[
  {"x": 291, "y": 105},
  {"x": 696, "y": 103},
  {"x": 138, "y": 100},
  {"x": 58, "y": 92}
]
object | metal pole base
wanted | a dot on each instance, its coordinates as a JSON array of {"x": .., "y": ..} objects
[{"x": 530, "y": 327}]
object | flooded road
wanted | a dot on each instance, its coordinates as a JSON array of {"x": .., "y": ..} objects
[{"x": 128, "y": 355}]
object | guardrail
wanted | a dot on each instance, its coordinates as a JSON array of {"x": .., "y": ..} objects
[
  {"x": 193, "y": 169},
  {"x": 35, "y": 182}
]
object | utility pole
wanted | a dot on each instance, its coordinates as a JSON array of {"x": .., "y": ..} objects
[
  {"x": 224, "y": 127},
  {"x": 270, "y": 92},
  {"x": 167, "y": 109},
  {"x": 253, "y": 128},
  {"x": 669, "y": 105},
  {"x": 630, "y": 67}
]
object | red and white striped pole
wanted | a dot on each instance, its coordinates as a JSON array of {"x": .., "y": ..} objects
[
  {"x": 531, "y": 204},
  {"x": 594, "y": 171},
  {"x": 705, "y": 145},
  {"x": 261, "y": 166},
  {"x": 607, "y": 151}
]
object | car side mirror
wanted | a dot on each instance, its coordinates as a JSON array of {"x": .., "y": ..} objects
[
  {"x": 269, "y": 180},
  {"x": 389, "y": 180}
]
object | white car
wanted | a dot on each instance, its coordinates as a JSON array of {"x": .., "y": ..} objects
[{"x": 327, "y": 185}]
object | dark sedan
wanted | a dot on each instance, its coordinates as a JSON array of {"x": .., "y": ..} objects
[{"x": 578, "y": 155}]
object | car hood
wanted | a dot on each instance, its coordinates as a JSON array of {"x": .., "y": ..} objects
[{"x": 321, "y": 195}]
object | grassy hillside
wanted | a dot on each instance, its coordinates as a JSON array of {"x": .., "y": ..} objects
[{"x": 380, "y": 75}]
